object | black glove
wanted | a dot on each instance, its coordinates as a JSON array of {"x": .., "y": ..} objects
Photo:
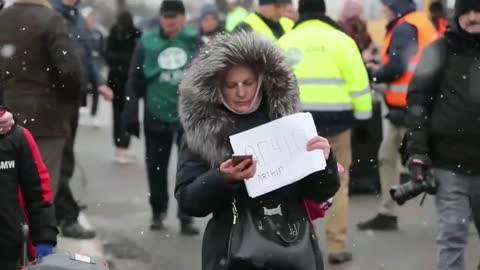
[
  {"x": 133, "y": 129},
  {"x": 419, "y": 167},
  {"x": 397, "y": 116}
]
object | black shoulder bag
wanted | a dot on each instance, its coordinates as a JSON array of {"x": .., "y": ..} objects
[{"x": 271, "y": 236}]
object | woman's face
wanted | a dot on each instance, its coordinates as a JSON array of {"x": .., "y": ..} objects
[{"x": 240, "y": 88}]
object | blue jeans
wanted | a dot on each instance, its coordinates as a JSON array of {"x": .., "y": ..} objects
[{"x": 458, "y": 204}]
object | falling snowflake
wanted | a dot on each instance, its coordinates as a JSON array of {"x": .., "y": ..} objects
[{"x": 7, "y": 51}]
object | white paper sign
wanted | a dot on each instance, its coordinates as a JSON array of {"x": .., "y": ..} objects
[{"x": 280, "y": 148}]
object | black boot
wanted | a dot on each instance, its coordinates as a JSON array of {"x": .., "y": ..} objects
[
  {"x": 339, "y": 258},
  {"x": 188, "y": 229},
  {"x": 379, "y": 223},
  {"x": 76, "y": 231},
  {"x": 157, "y": 222}
]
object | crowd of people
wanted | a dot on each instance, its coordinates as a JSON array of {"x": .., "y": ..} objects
[{"x": 200, "y": 86}]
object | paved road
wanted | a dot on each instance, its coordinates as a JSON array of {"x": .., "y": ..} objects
[{"x": 117, "y": 198}]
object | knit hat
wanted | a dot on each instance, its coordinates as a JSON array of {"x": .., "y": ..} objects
[
  {"x": 172, "y": 8},
  {"x": 270, "y": 2},
  {"x": 464, "y": 6},
  {"x": 209, "y": 9},
  {"x": 315, "y": 6}
]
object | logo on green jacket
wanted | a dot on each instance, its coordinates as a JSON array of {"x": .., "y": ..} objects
[
  {"x": 171, "y": 61},
  {"x": 172, "y": 58}
]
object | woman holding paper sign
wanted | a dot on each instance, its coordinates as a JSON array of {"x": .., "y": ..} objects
[{"x": 238, "y": 82}]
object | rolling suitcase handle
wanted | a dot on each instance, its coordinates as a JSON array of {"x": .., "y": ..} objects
[{"x": 24, "y": 257}]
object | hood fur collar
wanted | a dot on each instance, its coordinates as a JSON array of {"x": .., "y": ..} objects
[{"x": 207, "y": 124}]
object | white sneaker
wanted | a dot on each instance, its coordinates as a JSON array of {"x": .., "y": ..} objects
[
  {"x": 123, "y": 156},
  {"x": 96, "y": 122},
  {"x": 84, "y": 111}
]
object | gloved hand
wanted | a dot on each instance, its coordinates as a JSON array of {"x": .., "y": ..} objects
[
  {"x": 44, "y": 250},
  {"x": 419, "y": 167}
]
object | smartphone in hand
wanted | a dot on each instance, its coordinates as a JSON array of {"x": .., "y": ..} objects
[{"x": 237, "y": 159}]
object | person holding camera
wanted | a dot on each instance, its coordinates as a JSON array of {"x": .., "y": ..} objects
[
  {"x": 238, "y": 82},
  {"x": 409, "y": 32},
  {"x": 443, "y": 122}
]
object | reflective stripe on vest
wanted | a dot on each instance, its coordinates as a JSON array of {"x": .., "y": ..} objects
[
  {"x": 320, "y": 81},
  {"x": 396, "y": 93},
  {"x": 259, "y": 26}
]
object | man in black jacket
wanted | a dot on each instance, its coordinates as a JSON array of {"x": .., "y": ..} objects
[
  {"x": 66, "y": 208},
  {"x": 443, "y": 123}
]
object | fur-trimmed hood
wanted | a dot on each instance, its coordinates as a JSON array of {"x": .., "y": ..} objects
[{"x": 203, "y": 116}]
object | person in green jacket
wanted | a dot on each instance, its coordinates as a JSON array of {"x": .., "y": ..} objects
[{"x": 157, "y": 67}]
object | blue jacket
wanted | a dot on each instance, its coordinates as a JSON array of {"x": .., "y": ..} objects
[
  {"x": 82, "y": 39},
  {"x": 403, "y": 46}
]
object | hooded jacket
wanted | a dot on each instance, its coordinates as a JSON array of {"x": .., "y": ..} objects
[
  {"x": 443, "y": 117},
  {"x": 201, "y": 189},
  {"x": 83, "y": 41},
  {"x": 41, "y": 80},
  {"x": 403, "y": 45}
]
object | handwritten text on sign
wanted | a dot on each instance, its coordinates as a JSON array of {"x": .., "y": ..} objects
[{"x": 280, "y": 148}]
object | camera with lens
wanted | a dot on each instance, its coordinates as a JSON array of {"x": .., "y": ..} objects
[{"x": 413, "y": 188}]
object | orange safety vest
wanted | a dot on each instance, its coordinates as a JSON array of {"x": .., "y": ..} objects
[{"x": 396, "y": 93}]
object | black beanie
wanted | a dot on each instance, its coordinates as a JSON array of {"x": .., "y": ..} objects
[
  {"x": 313, "y": 6},
  {"x": 172, "y": 8},
  {"x": 269, "y": 2},
  {"x": 464, "y": 6}
]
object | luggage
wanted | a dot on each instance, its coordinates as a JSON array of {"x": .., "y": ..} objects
[
  {"x": 58, "y": 261},
  {"x": 67, "y": 261}
]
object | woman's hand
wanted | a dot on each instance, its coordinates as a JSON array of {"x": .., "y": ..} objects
[
  {"x": 319, "y": 143},
  {"x": 6, "y": 123},
  {"x": 243, "y": 171}
]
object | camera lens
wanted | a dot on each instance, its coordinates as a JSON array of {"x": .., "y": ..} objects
[{"x": 407, "y": 191}]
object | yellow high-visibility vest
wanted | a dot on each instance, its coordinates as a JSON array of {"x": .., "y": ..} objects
[
  {"x": 259, "y": 26},
  {"x": 329, "y": 68},
  {"x": 235, "y": 17}
]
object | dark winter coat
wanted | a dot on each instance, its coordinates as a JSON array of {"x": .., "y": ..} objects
[
  {"x": 201, "y": 189},
  {"x": 83, "y": 42},
  {"x": 22, "y": 169},
  {"x": 41, "y": 80},
  {"x": 120, "y": 47},
  {"x": 444, "y": 104}
]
